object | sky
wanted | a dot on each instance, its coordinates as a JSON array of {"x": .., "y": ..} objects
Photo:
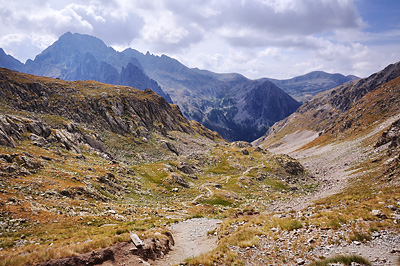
[{"x": 257, "y": 38}]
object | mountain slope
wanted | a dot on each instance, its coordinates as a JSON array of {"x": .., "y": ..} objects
[
  {"x": 203, "y": 96},
  {"x": 8, "y": 61},
  {"x": 340, "y": 111},
  {"x": 303, "y": 88},
  {"x": 116, "y": 109}
]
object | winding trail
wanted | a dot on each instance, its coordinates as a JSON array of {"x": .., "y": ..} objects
[{"x": 208, "y": 195}]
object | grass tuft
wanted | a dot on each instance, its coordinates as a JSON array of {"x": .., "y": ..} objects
[{"x": 289, "y": 224}]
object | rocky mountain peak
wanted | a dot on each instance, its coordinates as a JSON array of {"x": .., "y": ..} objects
[{"x": 83, "y": 57}]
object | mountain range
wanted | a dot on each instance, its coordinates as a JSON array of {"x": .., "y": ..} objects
[{"x": 236, "y": 107}]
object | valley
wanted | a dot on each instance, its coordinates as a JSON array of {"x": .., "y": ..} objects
[{"x": 86, "y": 167}]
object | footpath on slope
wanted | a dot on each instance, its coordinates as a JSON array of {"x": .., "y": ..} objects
[{"x": 191, "y": 240}]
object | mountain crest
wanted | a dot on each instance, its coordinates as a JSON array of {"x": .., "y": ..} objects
[{"x": 83, "y": 57}]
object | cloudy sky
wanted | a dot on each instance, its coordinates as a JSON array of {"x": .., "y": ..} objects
[{"x": 257, "y": 38}]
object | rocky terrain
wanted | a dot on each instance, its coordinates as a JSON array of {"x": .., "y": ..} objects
[{"x": 347, "y": 139}]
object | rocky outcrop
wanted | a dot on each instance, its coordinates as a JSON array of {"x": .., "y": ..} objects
[
  {"x": 17, "y": 164},
  {"x": 14, "y": 129},
  {"x": 391, "y": 138}
]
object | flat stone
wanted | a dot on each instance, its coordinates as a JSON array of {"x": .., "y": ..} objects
[{"x": 136, "y": 240}]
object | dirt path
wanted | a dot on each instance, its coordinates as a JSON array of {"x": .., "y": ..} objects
[{"x": 191, "y": 240}]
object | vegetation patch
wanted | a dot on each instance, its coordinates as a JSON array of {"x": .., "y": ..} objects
[{"x": 344, "y": 259}]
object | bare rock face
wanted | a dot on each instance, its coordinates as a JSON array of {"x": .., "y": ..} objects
[
  {"x": 392, "y": 135},
  {"x": 13, "y": 129}
]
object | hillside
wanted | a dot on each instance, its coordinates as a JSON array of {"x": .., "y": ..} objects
[
  {"x": 303, "y": 88},
  {"x": 347, "y": 138},
  {"x": 114, "y": 160},
  {"x": 338, "y": 112}
]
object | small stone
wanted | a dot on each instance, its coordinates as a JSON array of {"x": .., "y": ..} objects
[
  {"x": 378, "y": 213},
  {"x": 376, "y": 234},
  {"x": 300, "y": 261},
  {"x": 357, "y": 243}
]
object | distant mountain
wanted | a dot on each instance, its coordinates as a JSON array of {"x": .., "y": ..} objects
[
  {"x": 303, "y": 88},
  {"x": 84, "y": 57},
  {"x": 236, "y": 107}
]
